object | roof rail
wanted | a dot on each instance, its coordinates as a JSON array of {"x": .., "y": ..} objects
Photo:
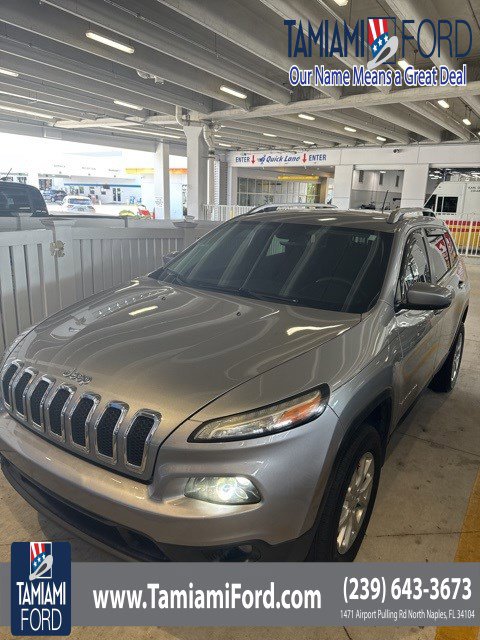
[{"x": 398, "y": 214}]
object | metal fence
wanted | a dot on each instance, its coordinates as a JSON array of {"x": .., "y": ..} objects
[
  {"x": 222, "y": 212},
  {"x": 45, "y": 269},
  {"x": 465, "y": 230}
]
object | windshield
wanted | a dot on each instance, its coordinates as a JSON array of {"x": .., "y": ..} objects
[{"x": 333, "y": 268}]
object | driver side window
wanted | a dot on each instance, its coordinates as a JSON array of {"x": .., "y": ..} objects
[{"x": 415, "y": 265}]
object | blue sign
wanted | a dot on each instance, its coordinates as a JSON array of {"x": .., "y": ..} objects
[{"x": 40, "y": 585}]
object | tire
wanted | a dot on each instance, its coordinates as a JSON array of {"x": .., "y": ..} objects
[
  {"x": 325, "y": 546},
  {"x": 446, "y": 377}
]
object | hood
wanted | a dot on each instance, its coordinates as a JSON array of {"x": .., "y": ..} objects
[{"x": 173, "y": 349}]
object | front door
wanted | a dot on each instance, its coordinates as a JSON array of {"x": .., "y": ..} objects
[{"x": 418, "y": 329}]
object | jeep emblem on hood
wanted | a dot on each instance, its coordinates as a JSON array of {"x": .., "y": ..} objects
[{"x": 78, "y": 377}]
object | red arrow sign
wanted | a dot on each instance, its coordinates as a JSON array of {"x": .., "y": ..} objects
[
  {"x": 304, "y": 159},
  {"x": 253, "y": 159}
]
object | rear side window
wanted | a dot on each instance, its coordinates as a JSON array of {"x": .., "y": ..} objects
[
  {"x": 13, "y": 200},
  {"x": 38, "y": 203},
  {"x": 452, "y": 250},
  {"x": 438, "y": 252}
]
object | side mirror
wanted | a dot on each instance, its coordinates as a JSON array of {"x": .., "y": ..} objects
[{"x": 428, "y": 297}]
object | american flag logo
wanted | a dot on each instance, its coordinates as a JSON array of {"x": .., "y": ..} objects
[
  {"x": 383, "y": 46},
  {"x": 41, "y": 560}
]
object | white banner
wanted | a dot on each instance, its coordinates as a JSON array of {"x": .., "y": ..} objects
[{"x": 303, "y": 158}]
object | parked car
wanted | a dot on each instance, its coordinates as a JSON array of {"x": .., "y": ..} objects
[
  {"x": 236, "y": 403},
  {"x": 54, "y": 195},
  {"x": 18, "y": 199},
  {"x": 78, "y": 204}
]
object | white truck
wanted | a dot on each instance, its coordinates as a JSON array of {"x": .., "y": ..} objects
[
  {"x": 456, "y": 198},
  {"x": 458, "y": 204}
]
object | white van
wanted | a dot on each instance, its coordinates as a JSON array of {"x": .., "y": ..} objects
[{"x": 456, "y": 198}]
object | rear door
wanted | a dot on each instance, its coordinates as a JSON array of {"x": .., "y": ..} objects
[
  {"x": 446, "y": 272},
  {"x": 418, "y": 329}
]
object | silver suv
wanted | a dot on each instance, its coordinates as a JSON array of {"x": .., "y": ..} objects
[{"x": 236, "y": 403}]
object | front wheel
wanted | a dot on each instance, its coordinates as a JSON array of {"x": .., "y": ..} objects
[{"x": 349, "y": 503}]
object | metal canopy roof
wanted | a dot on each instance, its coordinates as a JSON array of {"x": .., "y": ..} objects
[{"x": 147, "y": 65}]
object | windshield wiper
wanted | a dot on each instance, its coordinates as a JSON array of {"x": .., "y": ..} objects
[{"x": 266, "y": 296}]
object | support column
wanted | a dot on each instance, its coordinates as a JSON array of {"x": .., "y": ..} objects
[
  {"x": 232, "y": 183},
  {"x": 342, "y": 186},
  {"x": 197, "y": 170},
  {"x": 161, "y": 181},
  {"x": 415, "y": 178}
]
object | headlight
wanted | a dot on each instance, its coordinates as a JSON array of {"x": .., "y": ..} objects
[
  {"x": 222, "y": 490},
  {"x": 261, "y": 422}
]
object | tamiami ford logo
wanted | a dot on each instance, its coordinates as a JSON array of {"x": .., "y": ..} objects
[
  {"x": 375, "y": 44},
  {"x": 40, "y": 586}
]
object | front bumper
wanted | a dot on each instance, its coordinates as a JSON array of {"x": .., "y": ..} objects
[{"x": 155, "y": 520}]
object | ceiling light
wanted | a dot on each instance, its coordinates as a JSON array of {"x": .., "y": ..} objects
[
  {"x": 381, "y": 138},
  {"x": 27, "y": 112},
  {"x": 307, "y": 142},
  {"x": 383, "y": 172},
  {"x": 7, "y": 72},
  {"x": 269, "y": 135},
  {"x": 224, "y": 144},
  {"x": 403, "y": 64},
  {"x": 233, "y": 92},
  {"x": 467, "y": 122},
  {"x": 351, "y": 129},
  {"x": 341, "y": 3},
  {"x": 305, "y": 116},
  {"x": 129, "y": 105},
  {"x": 444, "y": 104},
  {"x": 174, "y": 128},
  {"x": 126, "y": 48}
]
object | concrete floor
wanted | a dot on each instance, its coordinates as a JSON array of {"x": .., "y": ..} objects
[{"x": 432, "y": 463}]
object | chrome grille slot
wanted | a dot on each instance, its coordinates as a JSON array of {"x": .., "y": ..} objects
[
  {"x": 37, "y": 398},
  {"x": 7, "y": 378},
  {"x": 56, "y": 409},
  {"x": 79, "y": 421},
  {"x": 137, "y": 438},
  {"x": 18, "y": 392},
  {"x": 107, "y": 428}
]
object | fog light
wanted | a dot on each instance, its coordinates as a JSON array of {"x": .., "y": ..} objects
[{"x": 222, "y": 490}]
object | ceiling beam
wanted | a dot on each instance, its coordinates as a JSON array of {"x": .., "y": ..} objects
[
  {"x": 59, "y": 26},
  {"x": 135, "y": 22},
  {"x": 443, "y": 119},
  {"x": 249, "y": 25},
  {"x": 57, "y": 69},
  {"x": 292, "y": 130},
  {"x": 366, "y": 124},
  {"x": 350, "y": 102},
  {"x": 333, "y": 128},
  {"x": 408, "y": 121},
  {"x": 43, "y": 94}
]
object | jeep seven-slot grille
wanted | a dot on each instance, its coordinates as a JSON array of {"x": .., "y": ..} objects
[
  {"x": 20, "y": 387},
  {"x": 136, "y": 439},
  {"x": 7, "y": 378},
  {"x": 78, "y": 421},
  {"x": 66, "y": 416}
]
